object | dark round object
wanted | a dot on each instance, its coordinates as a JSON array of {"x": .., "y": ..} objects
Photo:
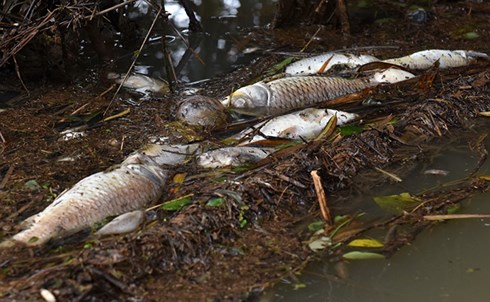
[{"x": 203, "y": 111}]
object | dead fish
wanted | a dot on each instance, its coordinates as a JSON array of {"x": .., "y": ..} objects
[
  {"x": 447, "y": 58},
  {"x": 391, "y": 75},
  {"x": 284, "y": 94},
  {"x": 436, "y": 172},
  {"x": 232, "y": 156},
  {"x": 202, "y": 111},
  {"x": 306, "y": 124},
  {"x": 160, "y": 155},
  {"x": 318, "y": 64},
  {"x": 122, "y": 224},
  {"x": 123, "y": 189},
  {"x": 140, "y": 83}
]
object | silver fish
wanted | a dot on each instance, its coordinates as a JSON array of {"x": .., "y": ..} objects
[
  {"x": 140, "y": 83},
  {"x": 306, "y": 124},
  {"x": 284, "y": 94},
  {"x": 124, "y": 189},
  {"x": 447, "y": 58},
  {"x": 317, "y": 64},
  {"x": 169, "y": 155},
  {"x": 232, "y": 156}
]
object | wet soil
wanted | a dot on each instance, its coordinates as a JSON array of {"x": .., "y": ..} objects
[{"x": 259, "y": 235}]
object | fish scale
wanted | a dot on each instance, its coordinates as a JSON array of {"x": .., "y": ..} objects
[
  {"x": 306, "y": 91},
  {"x": 94, "y": 198}
]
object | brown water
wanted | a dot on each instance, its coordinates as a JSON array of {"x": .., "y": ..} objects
[{"x": 448, "y": 262}]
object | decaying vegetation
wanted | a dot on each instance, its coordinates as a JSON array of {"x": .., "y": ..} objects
[{"x": 239, "y": 231}]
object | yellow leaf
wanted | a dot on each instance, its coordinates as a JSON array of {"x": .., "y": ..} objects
[
  {"x": 485, "y": 177},
  {"x": 485, "y": 113},
  {"x": 179, "y": 178},
  {"x": 365, "y": 243}
]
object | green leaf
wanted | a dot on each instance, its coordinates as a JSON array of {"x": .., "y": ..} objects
[
  {"x": 320, "y": 244},
  {"x": 243, "y": 222},
  {"x": 471, "y": 35},
  {"x": 349, "y": 130},
  {"x": 315, "y": 226},
  {"x": 279, "y": 66},
  {"x": 356, "y": 255},
  {"x": 453, "y": 209},
  {"x": 215, "y": 202},
  {"x": 176, "y": 204},
  {"x": 365, "y": 243},
  {"x": 299, "y": 286},
  {"x": 397, "y": 203}
]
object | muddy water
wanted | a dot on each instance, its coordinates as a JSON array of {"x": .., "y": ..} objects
[{"x": 448, "y": 262}]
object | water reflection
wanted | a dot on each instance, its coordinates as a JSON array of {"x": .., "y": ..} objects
[{"x": 197, "y": 56}]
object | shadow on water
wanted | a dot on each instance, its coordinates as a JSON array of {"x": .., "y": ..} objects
[{"x": 448, "y": 262}]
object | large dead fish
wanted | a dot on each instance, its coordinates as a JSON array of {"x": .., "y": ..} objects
[
  {"x": 306, "y": 124},
  {"x": 110, "y": 193},
  {"x": 447, "y": 58},
  {"x": 288, "y": 93},
  {"x": 324, "y": 62}
]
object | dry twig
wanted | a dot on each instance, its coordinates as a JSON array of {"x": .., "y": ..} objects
[{"x": 322, "y": 198}]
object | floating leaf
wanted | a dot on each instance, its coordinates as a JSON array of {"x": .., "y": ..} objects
[
  {"x": 315, "y": 226},
  {"x": 350, "y": 130},
  {"x": 215, "y": 202},
  {"x": 485, "y": 177},
  {"x": 365, "y": 243},
  {"x": 320, "y": 244},
  {"x": 397, "y": 203},
  {"x": 299, "y": 286},
  {"x": 340, "y": 218},
  {"x": 356, "y": 255},
  {"x": 452, "y": 209},
  {"x": 176, "y": 204}
]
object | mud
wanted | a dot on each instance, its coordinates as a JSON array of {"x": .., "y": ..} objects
[{"x": 258, "y": 235}]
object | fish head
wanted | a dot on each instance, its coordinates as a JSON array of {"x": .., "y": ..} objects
[{"x": 252, "y": 96}]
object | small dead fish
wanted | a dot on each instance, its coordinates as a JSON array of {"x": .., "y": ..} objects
[
  {"x": 284, "y": 94},
  {"x": 436, "y": 172},
  {"x": 159, "y": 155},
  {"x": 391, "y": 75},
  {"x": 122, "y": 224},
  {"x": 203, "y": 111},
  {"x": 140, "y": 83},
  {"x": 232, "y": 156},
  {"x": 447, "y": 58},
  {"x": 324, "y": 62},
  {"x": 306, "y": 124},
  {"x": 117, "y": 191}
]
